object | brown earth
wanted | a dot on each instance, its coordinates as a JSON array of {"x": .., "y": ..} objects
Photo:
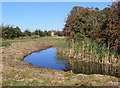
[{"x": 15, "y": 72}]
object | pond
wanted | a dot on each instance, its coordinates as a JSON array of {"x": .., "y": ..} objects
[{"x": 49, "y": 59}]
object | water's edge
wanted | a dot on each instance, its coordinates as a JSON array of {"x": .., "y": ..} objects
[{"x": 79, "y": 65}]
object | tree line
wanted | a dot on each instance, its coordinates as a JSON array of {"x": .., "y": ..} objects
[
  {"x": 95, "y": 31},
  {"x": 10, "y": 32}
]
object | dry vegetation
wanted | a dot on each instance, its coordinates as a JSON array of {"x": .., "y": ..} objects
[{"x": 15, "y": 72}]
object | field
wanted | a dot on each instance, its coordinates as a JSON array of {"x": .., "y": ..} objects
[{"x": 15, "y": 72}]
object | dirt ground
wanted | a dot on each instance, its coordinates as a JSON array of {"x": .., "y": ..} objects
[{"x": 15, "y": 72}]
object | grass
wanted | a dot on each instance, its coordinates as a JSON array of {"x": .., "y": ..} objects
[
  {"x": 24, "y": 73},
  {"x": 7, "y": 42},
  {"x": 69, "y": 75},
  {"x": 23, "y": 83},
  {"x": 16, "y": 73},
  {"x": 68, "y": 79},
  {"x": 10, "y": 73}
]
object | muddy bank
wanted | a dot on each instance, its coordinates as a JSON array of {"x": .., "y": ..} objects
[{"x": 15, "y": 72}]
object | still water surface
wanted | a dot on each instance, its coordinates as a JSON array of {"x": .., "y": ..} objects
[{"x": 49, "y": 59}]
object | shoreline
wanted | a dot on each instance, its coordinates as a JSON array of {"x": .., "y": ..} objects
[
  {"x": 66, "y": 54},
  {"x": 16, "y": 72}
]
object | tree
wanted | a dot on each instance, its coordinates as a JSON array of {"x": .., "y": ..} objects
[
  {"x": 48, "y": 33},
  {"x": 90, "y": 26},
  {"x": 37, "y": 32},
  {"x": 27, "y": 32},
  {"x": 10, "y": 32},
  {"x": 110, "y": 32},
  {"x": 41, "y": 33},
  {"x": 60, "y": 33},
  {"x": 17, "y": 32}
]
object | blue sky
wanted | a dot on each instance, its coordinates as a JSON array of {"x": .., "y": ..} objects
[{"x": 41, "y": 15}]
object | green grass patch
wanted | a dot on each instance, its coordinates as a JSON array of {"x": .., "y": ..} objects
[
  {"x": 67, "y": 79},
  {"x": 10, "y": 73},
  {"x": 7, "y": 42},
  {"x": 59, "y": 38},
  {"x": 69, "y": 75},
  {"x": 24, "y": 73}
]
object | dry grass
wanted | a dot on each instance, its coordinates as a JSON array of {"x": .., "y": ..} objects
[{"x": 15, "y": 72}]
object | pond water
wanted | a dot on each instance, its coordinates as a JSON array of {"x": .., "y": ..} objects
[{"x": 49, "y": 59}]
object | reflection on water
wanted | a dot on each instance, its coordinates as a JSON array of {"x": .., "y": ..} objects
[
  {"x": 93, "y": 68},
  {"x": 49, "y": 59}
]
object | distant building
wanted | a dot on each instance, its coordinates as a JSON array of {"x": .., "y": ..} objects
[{"x": 52, "y": 33}]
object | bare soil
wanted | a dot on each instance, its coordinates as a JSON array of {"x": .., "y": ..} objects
[{"x": 15, "y": 72}]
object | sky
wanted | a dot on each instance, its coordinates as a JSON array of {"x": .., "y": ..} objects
[{"x": 41, "y": 15}]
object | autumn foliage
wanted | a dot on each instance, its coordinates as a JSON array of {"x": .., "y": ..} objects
[{"x": 101, "y": 27}]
